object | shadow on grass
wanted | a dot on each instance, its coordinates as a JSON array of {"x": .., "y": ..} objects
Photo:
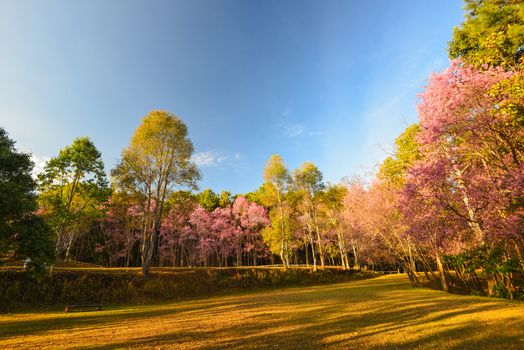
[{"x": 383, "y": 313}]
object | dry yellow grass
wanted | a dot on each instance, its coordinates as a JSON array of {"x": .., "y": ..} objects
[{"x": 382, "y": 313}]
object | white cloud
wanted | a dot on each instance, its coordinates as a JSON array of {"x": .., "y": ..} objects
[
  {"x": 40, "y": 162},
  {"x": 288, "y": 127},
  {"x": 208, "y": 159},
  {"x": 298, "y": 130},
  {"x": 295, "y": 130}
]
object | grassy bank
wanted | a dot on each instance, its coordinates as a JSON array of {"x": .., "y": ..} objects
[
  {"x": 18, "y": 289},
  {"x": 381, "y": 313}
]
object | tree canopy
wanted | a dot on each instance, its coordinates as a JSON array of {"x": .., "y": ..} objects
[
  {"x": 72, "y": 188},
  {"x": 22, "y": 233},
  {"x": 492, "y": 32},
  {"x": 156, "y": 162}
]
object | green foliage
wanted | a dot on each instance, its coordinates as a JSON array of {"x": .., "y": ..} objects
[
  {"x": 273, "y": 196},
  {"x": 155, "y": 164},
  {"x": 181, "y": 199},
  {"x": 279, "y": 231},
  {"x": 17, "y": 199},
  {"x": 33, "y": 240},
  {"x": 22, "y": 233},
  {"x": 491, "y": 33},
  {"x": 393, "y": 169},
  {"x": 225, "y": 199},
  {"x": 256, "y": 196},
  {"x": 495, "y": 265},
  {"x": 16, "y": 184},
  {"x": 266, "y": 195},
  {"x": 308, "y": 178},
  {"x": 208, "y": 199},
  {"x": 276, "y": 173},
  {"x": 71, "y": 190},
  {"x": 511, "y": 94},
  {"x": 158, "y": 158},
  {"x": 333, "y": 196},
  {"x": 493, "y": 261}
]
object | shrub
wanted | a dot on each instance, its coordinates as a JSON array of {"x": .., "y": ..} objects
[{"x": 20, "y": 288}]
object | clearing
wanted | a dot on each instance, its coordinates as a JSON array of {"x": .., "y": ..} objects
[{"x": 380, "y": 313}]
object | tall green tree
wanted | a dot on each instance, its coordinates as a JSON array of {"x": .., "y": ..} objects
[
  {"x": 22, "y": 233},
  {"x": 491, "y": 33},
  {"x": 308, "y": 181},
  {"x": 156, "y": 163},
  {"x": 394, "y": 168},
  {"x": 208, "y": 199},
  {"x": 225, "y": 199},
  {"x": 277, "y": 182},
  {"x": 333, "y": 206},
  {"x": 71, "y": 190}
]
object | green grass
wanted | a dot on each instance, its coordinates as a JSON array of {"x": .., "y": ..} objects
[{"x": 380, "y": 313}]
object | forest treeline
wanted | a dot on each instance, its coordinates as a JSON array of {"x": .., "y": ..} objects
[{"x": 448, "y": 202}]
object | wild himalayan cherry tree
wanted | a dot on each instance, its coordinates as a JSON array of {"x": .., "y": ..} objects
[
  {"x": 373, "y": 220},
  {"x": 250, "y": 218},
  {"x": 121, "y": 228},
  {"x": 464, "y": 191},
  {"x": 212, "y": 238}
]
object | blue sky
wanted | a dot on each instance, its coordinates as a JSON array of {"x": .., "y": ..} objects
[{"x": 333, "y": 82}]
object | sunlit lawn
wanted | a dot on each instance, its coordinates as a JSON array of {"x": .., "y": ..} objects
[{"x": 381, "y": 313}]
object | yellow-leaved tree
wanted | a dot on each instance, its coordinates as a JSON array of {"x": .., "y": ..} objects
[{"x": 156, "y": 163}]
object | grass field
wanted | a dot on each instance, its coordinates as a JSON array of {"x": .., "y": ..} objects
[{"x": 380, "y": 313}]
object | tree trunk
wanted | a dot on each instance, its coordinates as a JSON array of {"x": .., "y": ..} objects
[
  {"x": 148, "y": 250},
  {"x": 307, "y": 254},
  {"x": 320, "y": 250},
  {"x": 356, "y": 266},
  {"x": 239, "y": 255},
  {"x": 443, "y": 281},
  {"x": 342, "y": 251},
  {"x": 282, "y": 254},
  {"x": 68, "y": 252},
  {"x": 313, "y": 254},
  {"x": 406, "y": 266}
]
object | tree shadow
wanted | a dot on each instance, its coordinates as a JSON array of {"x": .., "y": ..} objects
[{"x": 384, "y": 313}]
